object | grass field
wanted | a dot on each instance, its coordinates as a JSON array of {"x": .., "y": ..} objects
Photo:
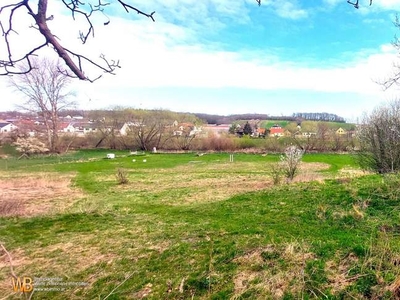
[{"x": 198, "y": 227}]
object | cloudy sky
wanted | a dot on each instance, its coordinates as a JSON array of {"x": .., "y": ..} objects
[{"x": 231, "y": 56}]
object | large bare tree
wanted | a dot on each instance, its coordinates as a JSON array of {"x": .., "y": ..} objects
[
  {"x": 76, "y": 63},
  {"x": 151, "y": 128},
  {"x": 45, "y": 88},
  {"x": 379, "y": 137}
]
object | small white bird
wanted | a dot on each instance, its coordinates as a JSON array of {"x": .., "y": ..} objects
[{"x": 144, "y": 160}]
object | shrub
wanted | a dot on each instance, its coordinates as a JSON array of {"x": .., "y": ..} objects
[
  {"x": 30, "y": 145},
  {"x": 216, "y": 143},
  {"x": 290, "y": 161},
  {"x": 122, "y": 176},
  {"x": 246, "y": 142},
  {"x": 276, "y": 172}
]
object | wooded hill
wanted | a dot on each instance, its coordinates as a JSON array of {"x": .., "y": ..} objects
[{"x": 218, "y": 119}]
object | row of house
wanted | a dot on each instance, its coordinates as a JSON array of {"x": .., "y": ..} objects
[
  {"x": 81, "y": 127},
  {"x": 278, "y": 131},
  {"x": 87, "y": 127}
]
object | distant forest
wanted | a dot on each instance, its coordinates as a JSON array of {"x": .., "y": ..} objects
[{"x": 218, "y": 119}]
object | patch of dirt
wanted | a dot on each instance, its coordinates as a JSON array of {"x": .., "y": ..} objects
[{"x": 36, "y": 194}]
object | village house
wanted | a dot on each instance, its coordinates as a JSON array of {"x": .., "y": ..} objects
[
  {"x": 188, "y": 128},
  {"x": 80, "y": 128},
  {"x": 6, "y": 127},
  {"x": 276, "y": 131},
  {"x": 341, "y": 131},
  {"x": 126, "y": 127},
  {"x": 260, "y": 132}
]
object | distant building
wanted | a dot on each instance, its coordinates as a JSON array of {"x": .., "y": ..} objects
[
  {"x": 276, "y": 131},
  {"x": 341, "y": 131},
  {"x": 7, "y": 127}
]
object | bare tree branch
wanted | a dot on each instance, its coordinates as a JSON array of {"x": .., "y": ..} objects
[
  {"x": 74, "y": 61},
  {"x": 127, "y": 7},
  {"x": 355, "y": 4}
]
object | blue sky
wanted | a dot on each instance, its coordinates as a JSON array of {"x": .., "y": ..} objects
[{"x": 232, "y": 56}]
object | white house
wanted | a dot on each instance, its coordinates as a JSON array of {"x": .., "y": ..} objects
[
  {"x": 7, "y": 127},
  {"x": 127, "y": 127}
]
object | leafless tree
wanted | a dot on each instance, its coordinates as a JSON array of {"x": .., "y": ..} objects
[
  {"x": 151, "y": 128},
  {"x": 322, "y": 135},
  {"x": 379, "y": 137},
  {"x": 184, "y": 134},
  {"x": 45, "y": 90},
  {"x": 75, "y": 62},
  {"x": 109, "y": 124}
]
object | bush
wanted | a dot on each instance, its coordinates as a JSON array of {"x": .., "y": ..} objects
[
  {"x": 30, "y": 145},
  {"x": 379, "y": 138},
  {"x": 246, "y": 142},
  {"x": 290, "y": 161},
  {"x": 216, "y": 143},
  {"x": 122, "y": 176},
  {"x": 276, "y": 172}
]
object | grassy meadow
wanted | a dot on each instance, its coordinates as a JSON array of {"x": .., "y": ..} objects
[{"x": 198, "y": 227}]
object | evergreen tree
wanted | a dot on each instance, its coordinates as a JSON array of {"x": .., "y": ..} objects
[{"x": 247, "y": 130}]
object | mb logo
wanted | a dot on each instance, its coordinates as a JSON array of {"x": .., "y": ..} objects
[{"x": 23, "y": 284}]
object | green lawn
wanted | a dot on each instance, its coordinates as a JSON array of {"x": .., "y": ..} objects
[{"x": 200, "y": 227}]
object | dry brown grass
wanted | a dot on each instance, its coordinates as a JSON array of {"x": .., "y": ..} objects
[
  {"x": 338, "y": 272},
  {"x": 202, "y": 183},
  {"x": 19, "y": 260},
  {"x": 35, "y": 194},
  {"x": 259, "y": 272},
  {"x": 394, "y": 288},
  {"x": 80, "y": 253},
  {"x": 52, "y": 260}
]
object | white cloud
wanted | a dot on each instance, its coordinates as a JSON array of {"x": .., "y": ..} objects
[
  {"x": 290, "y": 10},
  {"x": 387, "y": 4}
]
